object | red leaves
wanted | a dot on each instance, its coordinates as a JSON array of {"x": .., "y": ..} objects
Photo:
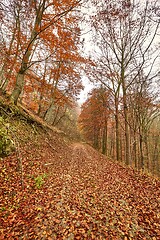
[
  {"x": 84, "y": 196},
  {"x": 49, "y": 41}
]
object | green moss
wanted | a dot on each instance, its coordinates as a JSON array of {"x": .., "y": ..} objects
[
  {"x": 6, "y": 143},
  {"x": 39, "y": 180}
]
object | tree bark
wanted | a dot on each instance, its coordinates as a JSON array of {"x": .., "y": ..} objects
[
  {"x": 18, "y": 87},
  {"x": 104, "y": 139},
  {"x": 141, "y": 152},
  {"x": 26, "y": 58},
  {"x": 117, "y": 130},
  {"x": 125, "y": 109},
  {"x": 49, "y": 116}
]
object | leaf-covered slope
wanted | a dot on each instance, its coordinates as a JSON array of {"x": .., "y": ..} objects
[{"x": 53, "y": 189}]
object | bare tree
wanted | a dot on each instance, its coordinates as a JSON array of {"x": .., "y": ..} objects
[{"x": 124, "y": 34}]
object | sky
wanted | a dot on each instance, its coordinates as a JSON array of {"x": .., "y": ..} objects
[
  {"x": 88, "y": 50},
  {"x": 84, "y": 93}
]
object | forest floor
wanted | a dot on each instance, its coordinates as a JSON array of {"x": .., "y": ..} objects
[{"x": 52, "y": 188}]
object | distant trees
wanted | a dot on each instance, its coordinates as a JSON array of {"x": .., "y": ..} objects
[
  {"x": 143, "y": 114},
  {"x": 93, "y": 120},
  {"x": 126, "y": 56},
  {"x": 97, "y": 124},
  {"x": 124, "y": 35}
]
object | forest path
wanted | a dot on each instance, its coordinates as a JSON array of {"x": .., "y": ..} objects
[
  {"x": 99, "y": 199},
  {"x": 84, "y": 196},
  {"x": 53, "y": 189}
]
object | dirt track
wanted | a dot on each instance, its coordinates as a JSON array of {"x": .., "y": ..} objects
[{"x": 84, "y": 196}]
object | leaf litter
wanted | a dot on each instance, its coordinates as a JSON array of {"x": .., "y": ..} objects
[{"x": 82, "y": 196}]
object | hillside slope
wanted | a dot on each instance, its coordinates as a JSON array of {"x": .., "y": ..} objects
[{"x": 51, "y": 188}]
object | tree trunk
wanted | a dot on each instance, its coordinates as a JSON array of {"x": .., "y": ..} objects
[
  {"x": 40, "y": 105},
  {"x": 49, "y": 116},
  {"x": 18, "y": 87},
  {"x": 127, "y": 139},
  {"x": 125, "y": 109},
  {"x": 96, "y": 135},
  {"x": 135, "y": 151},
  {"x": 155, "y": 155},
  {"x": 141, "y": 163},
  {"x": 146, "y": 140},
  {"x": 26, "y": 57},
  {"x": 104, "y": 140},
  {"x": 117, "y": 131}
]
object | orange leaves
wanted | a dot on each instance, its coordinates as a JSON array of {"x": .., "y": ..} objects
[
  {"x": 39, "y": 41},
  {"x": 84, "y": 195},
  {"x": 95, "y": 112}
]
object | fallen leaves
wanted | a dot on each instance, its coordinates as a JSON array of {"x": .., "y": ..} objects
[{"x": 84, "y": 196}]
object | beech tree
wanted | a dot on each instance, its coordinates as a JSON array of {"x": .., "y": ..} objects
[
  {"x": 12, "y": 37},
  {"x": 44, "y": 67},
  {"x": 51, "y": 30},
  {"x": 94, "y": 118},
  {"x": 66, "y": 80},
  {"x": 124, "y": 33},
  {"x": 143, "y": 110}
]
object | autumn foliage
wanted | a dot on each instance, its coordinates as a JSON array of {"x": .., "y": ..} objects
[
  {"x": 52, "y": 186},
  {"x": 93, "y": 120},
  {"x": 97, "y": 124},
  {"x": 126, "y": 49},
  {"x": 53, "y": 189},
  {"x": 41, "y": 61}
]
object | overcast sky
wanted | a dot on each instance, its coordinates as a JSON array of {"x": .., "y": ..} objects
[{"x": 89, "y": 48}]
